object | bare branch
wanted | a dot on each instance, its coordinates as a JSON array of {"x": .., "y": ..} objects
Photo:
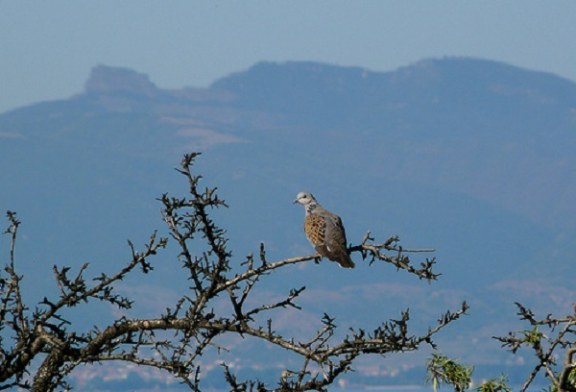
[
  {"x": 398, "y": 258},
  {"x": 176, "y": 340},
  {"x": 560, "y": 334}
]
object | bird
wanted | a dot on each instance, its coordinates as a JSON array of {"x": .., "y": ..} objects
[{"x": 325, "y": 231}]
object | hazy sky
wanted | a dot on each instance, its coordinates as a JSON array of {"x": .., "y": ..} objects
[{"x": 47, "y": 48}]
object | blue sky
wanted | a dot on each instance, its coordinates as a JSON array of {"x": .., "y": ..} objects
[{"x": 47, "y": 48}]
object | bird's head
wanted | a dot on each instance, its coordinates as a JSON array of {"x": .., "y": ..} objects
[{"x": 305, "y": 198}]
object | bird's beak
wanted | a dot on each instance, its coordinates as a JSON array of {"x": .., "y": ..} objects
[{"x": 295, "y": 201}]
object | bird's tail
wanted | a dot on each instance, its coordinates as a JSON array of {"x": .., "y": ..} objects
[{"x": 345, "y": 261}]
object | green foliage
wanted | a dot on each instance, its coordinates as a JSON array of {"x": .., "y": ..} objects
[
  {"x": 533, "y": 336},
  {"x": 572, "y": 377},
  {"x": 495, "y": 385},
  {"x": 442, "y": 369}
]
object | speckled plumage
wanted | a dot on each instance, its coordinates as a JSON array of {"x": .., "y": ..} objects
[{"x": 325, "y": 231}]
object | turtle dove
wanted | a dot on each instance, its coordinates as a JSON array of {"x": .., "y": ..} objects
[{"x": 325, "y": 231}]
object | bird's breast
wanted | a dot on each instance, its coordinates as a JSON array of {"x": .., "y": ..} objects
[{"x": 315, "y": 229}]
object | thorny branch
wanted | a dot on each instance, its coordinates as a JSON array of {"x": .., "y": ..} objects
[
  {"x": 545, "y": 338},
  {"x": 398, "y": 257},
  {"x": 45, "y": 336}
]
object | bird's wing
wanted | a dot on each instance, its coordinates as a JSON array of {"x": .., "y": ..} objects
[{"x": 335, "y": 234}]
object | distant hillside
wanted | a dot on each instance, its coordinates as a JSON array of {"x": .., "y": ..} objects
[
  {"x": 476, "y": 115},
  {"x": 471, "y": 157},
  {"x": 432, "y": 96}
]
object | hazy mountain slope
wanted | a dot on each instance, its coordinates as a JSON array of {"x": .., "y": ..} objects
[
  {"x": 467, "y": 125},
  {"x": 471, "y": 157}
]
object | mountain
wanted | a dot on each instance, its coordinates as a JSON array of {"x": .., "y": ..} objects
[{"x": 471, "y": 157}]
